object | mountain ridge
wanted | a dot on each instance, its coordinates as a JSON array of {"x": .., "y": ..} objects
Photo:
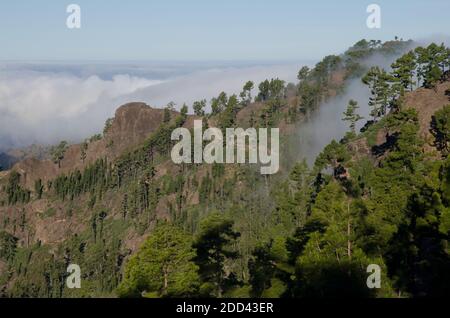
[{"x": 99, "y": 212}]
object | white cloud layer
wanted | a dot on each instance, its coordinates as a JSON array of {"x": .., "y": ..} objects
[
  {"x": 42, "y": 105},
  {"x": 32, "y": 99}
]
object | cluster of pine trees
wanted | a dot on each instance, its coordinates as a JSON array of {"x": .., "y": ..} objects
[
  {"x": 95, "y": 179},
  {"x": 394, "y": 214},
  {"x": 421, "y": 67},
  {"x": 311, "y": 234},
  {"x": 14, "y": 190},
  {"x": 172, "y": 264}
]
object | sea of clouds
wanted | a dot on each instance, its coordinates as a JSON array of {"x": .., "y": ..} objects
[{"x": 44, "y": 102}]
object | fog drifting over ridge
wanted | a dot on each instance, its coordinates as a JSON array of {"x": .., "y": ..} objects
[
  {"x": 326, "y": 123},
  {"x": 44, "y": 103}
]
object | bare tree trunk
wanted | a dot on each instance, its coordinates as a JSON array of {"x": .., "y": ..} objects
[{"x": 166, "y": 281}]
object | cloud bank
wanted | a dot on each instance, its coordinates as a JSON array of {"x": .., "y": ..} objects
[{"x": 46, "y": 103}]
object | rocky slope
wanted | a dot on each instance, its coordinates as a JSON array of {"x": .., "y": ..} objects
[{"x": 139, "y": 188}]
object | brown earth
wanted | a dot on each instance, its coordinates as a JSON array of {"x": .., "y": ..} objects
[
  {"x": 427, "y": 102},
  {"x": 132, "y": 124}
]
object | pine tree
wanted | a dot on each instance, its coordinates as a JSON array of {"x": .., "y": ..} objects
[
  {"x": 199, "y": 107},
  {"x": 58, "y": 152},
  {"x": 378, "y": 81},
  {"x": 264, "y": 91},
  {"x": 403, "y": 70},
  {"x": 329, "y": 250},
  {"x": 38, "y": 188},
  {"x": 261, "y": 269},
  {"x": 431, "y": 61},
  {"x": 440, "y": 128},
  {"x": 309, "y": 97},
  {"x": 219, "y": 104},
  {"x": 351, "y": 116},
  {"x": 246, "y": 94},
  {"x": 162, "y": 267},
  {"x": 15, "y": 192},
  {"x": 125, "y": 206},
  {"x": 167, "y": 115},
  {"x": 417, "y": 257},
  {"x": 303, "y": 73},
  {"x": 83, "y": 150},
  {"x": 8, "y": 246},
  {"x": 213, "y": 249}
]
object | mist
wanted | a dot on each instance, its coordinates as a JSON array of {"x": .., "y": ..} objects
[
  {"x": 208, "y": 84},
  {"x": 326, "y": 123},
  {"x": 43, "y": 103},
  {"x": 49, "y": 102}
]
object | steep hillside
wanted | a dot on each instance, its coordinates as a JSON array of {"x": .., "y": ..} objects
[
  {"x": 96, "y": 203},
  {"x": 427, "y": 102},
  {"x": 132, "y": 124}
]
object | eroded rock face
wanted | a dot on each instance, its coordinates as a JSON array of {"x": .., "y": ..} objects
[{"x": 132, "y": 124}]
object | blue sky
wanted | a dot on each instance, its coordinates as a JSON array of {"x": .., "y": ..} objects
[{"x": 206, "y": 29}]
